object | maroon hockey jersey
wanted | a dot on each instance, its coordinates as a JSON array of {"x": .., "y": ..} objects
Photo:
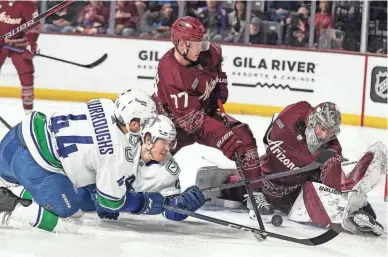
[
  {"x": 287, "y": 150},
  {"x": 14, "y": 14},
  {"x": 182, "y": 93}
]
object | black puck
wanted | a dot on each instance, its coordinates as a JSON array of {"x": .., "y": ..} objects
[{"x": 277, "y": 220}]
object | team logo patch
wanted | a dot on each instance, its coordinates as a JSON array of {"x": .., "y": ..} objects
[
  {"x": 173, "y": 167},
  {"x": 128, "y": 154}
]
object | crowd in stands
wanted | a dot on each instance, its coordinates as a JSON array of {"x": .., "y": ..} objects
[{"x": 337, "y": 24}]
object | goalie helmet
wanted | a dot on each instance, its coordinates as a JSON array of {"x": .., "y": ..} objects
[
  {"x": 135, "y": 104},
  {"x": 162, "y": 128},
  {"x": 327, "y": 117}
]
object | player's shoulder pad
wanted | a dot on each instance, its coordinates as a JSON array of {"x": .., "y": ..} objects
[
  {"x": 302, "y": 105},
  {"x": 168, "y": 71},
  {"x": 215, "y": 51}
]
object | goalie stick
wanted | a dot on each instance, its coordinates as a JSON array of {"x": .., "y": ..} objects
[
  {"x": 318, "y": 240},
  {"x": 89, "y": 66},
  {"x": 321, "y": 159}
]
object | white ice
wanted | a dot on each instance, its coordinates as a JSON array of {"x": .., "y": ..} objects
[{"x": 153, "y": 236}]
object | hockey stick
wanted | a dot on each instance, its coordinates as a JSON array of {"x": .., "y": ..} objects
[
  {"x": 89, "y": 66},
  {"x": 32, "y": 22},
  {"x": 318, "y": 240},
  {"x": 247, "y": 185},
  {"x": 321, "y": 159},
  {"x": 5, "y": 123}
]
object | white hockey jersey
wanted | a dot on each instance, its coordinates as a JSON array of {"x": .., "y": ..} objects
[
  {"x": 162, "y": 177},
  {"x": 85, "y": 145}
]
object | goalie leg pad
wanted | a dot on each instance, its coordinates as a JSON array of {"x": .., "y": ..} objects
[{"x": 319, "y": 204}]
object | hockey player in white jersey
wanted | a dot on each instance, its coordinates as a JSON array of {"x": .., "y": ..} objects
[
  {"x": 51, "y": 155},
  {"x": 154, "y": 170}
]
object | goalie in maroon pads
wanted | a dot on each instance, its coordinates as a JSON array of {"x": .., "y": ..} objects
[
  {"x": 12, "y": 15},
  {"x": 188, "y": 84},
  {"x": 335, "y": 193}
]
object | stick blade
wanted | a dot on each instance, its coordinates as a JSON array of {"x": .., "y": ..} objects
[
  {"x": 333, "y": 232},
  {"x": 98, "y": 62}
]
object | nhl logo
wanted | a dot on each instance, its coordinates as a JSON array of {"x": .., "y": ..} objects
[
  {"x": 299, "y": 137},
  {"x": 379, "y": 85}
]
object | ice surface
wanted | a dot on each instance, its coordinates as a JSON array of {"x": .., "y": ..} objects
[{"x": 153, "y": 236}]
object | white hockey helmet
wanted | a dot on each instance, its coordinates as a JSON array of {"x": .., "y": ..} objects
[
  {"x": 135, "y": 104},
  {"x": 162, "y": 128}
]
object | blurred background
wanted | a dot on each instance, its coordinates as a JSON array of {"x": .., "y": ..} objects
[{"x": 358, "y": 26}]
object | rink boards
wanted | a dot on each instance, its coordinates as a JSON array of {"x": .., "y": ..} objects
[{"x": 261, "y": 80}]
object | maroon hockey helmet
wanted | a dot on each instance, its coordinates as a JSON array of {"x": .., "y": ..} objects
[{"x": 189, "y": 29}]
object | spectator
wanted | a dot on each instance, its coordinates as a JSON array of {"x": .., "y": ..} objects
[
  {"x": 193, "y": 6},
  {"x": 64, "y": 20},
  {"x": 169, "y": 7},
  {"x": 279, "y": 10},
  {"x": 298, "y": 28},
  {"x": 332, "y": 38},
  {"x": 142, "y": 7},
  {"x": 255, "y": 35},
  {"x": 237, "y": 22},
  {"x": 323, "y": 19},
  {"x": 126, "y": 19},
  {"x": 214, "y": 19},
  {"x": 155, "y": 22},
  {"x": 93, "y": 18}
]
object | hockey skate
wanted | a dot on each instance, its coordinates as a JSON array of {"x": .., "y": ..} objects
[
  {"x": 264, "y": 207},
  {"x": 365, "y": 223},
  {"x": 8, "y": 202}
]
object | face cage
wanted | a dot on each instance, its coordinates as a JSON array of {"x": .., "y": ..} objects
[
  {"x": 330, "y": 133},
  {"x": 314, "y": 142}
]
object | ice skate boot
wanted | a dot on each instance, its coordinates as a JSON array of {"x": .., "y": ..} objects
[
  {"x": 263, "y": 206},
  {"x": 8, "y": 202},
  {"x": 365, "y": 223}
]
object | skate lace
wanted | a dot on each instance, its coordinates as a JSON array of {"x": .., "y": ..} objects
[{"x": 259, "y": 199}]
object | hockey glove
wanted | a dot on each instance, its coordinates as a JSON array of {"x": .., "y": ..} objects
[
  {"x": 103, "y": 214},
  {"x": 192, "y": 199},
  {"x": 151, "y": 203},
  {"x": 30, "y": 51},
  {"x": 223, "y": 92}
]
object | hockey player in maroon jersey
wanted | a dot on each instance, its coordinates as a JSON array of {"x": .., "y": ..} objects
[
  {"x": 189, "y": 82},
  {"x": 336, "y": 193},
  {"x": 12, "y": 15}
]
